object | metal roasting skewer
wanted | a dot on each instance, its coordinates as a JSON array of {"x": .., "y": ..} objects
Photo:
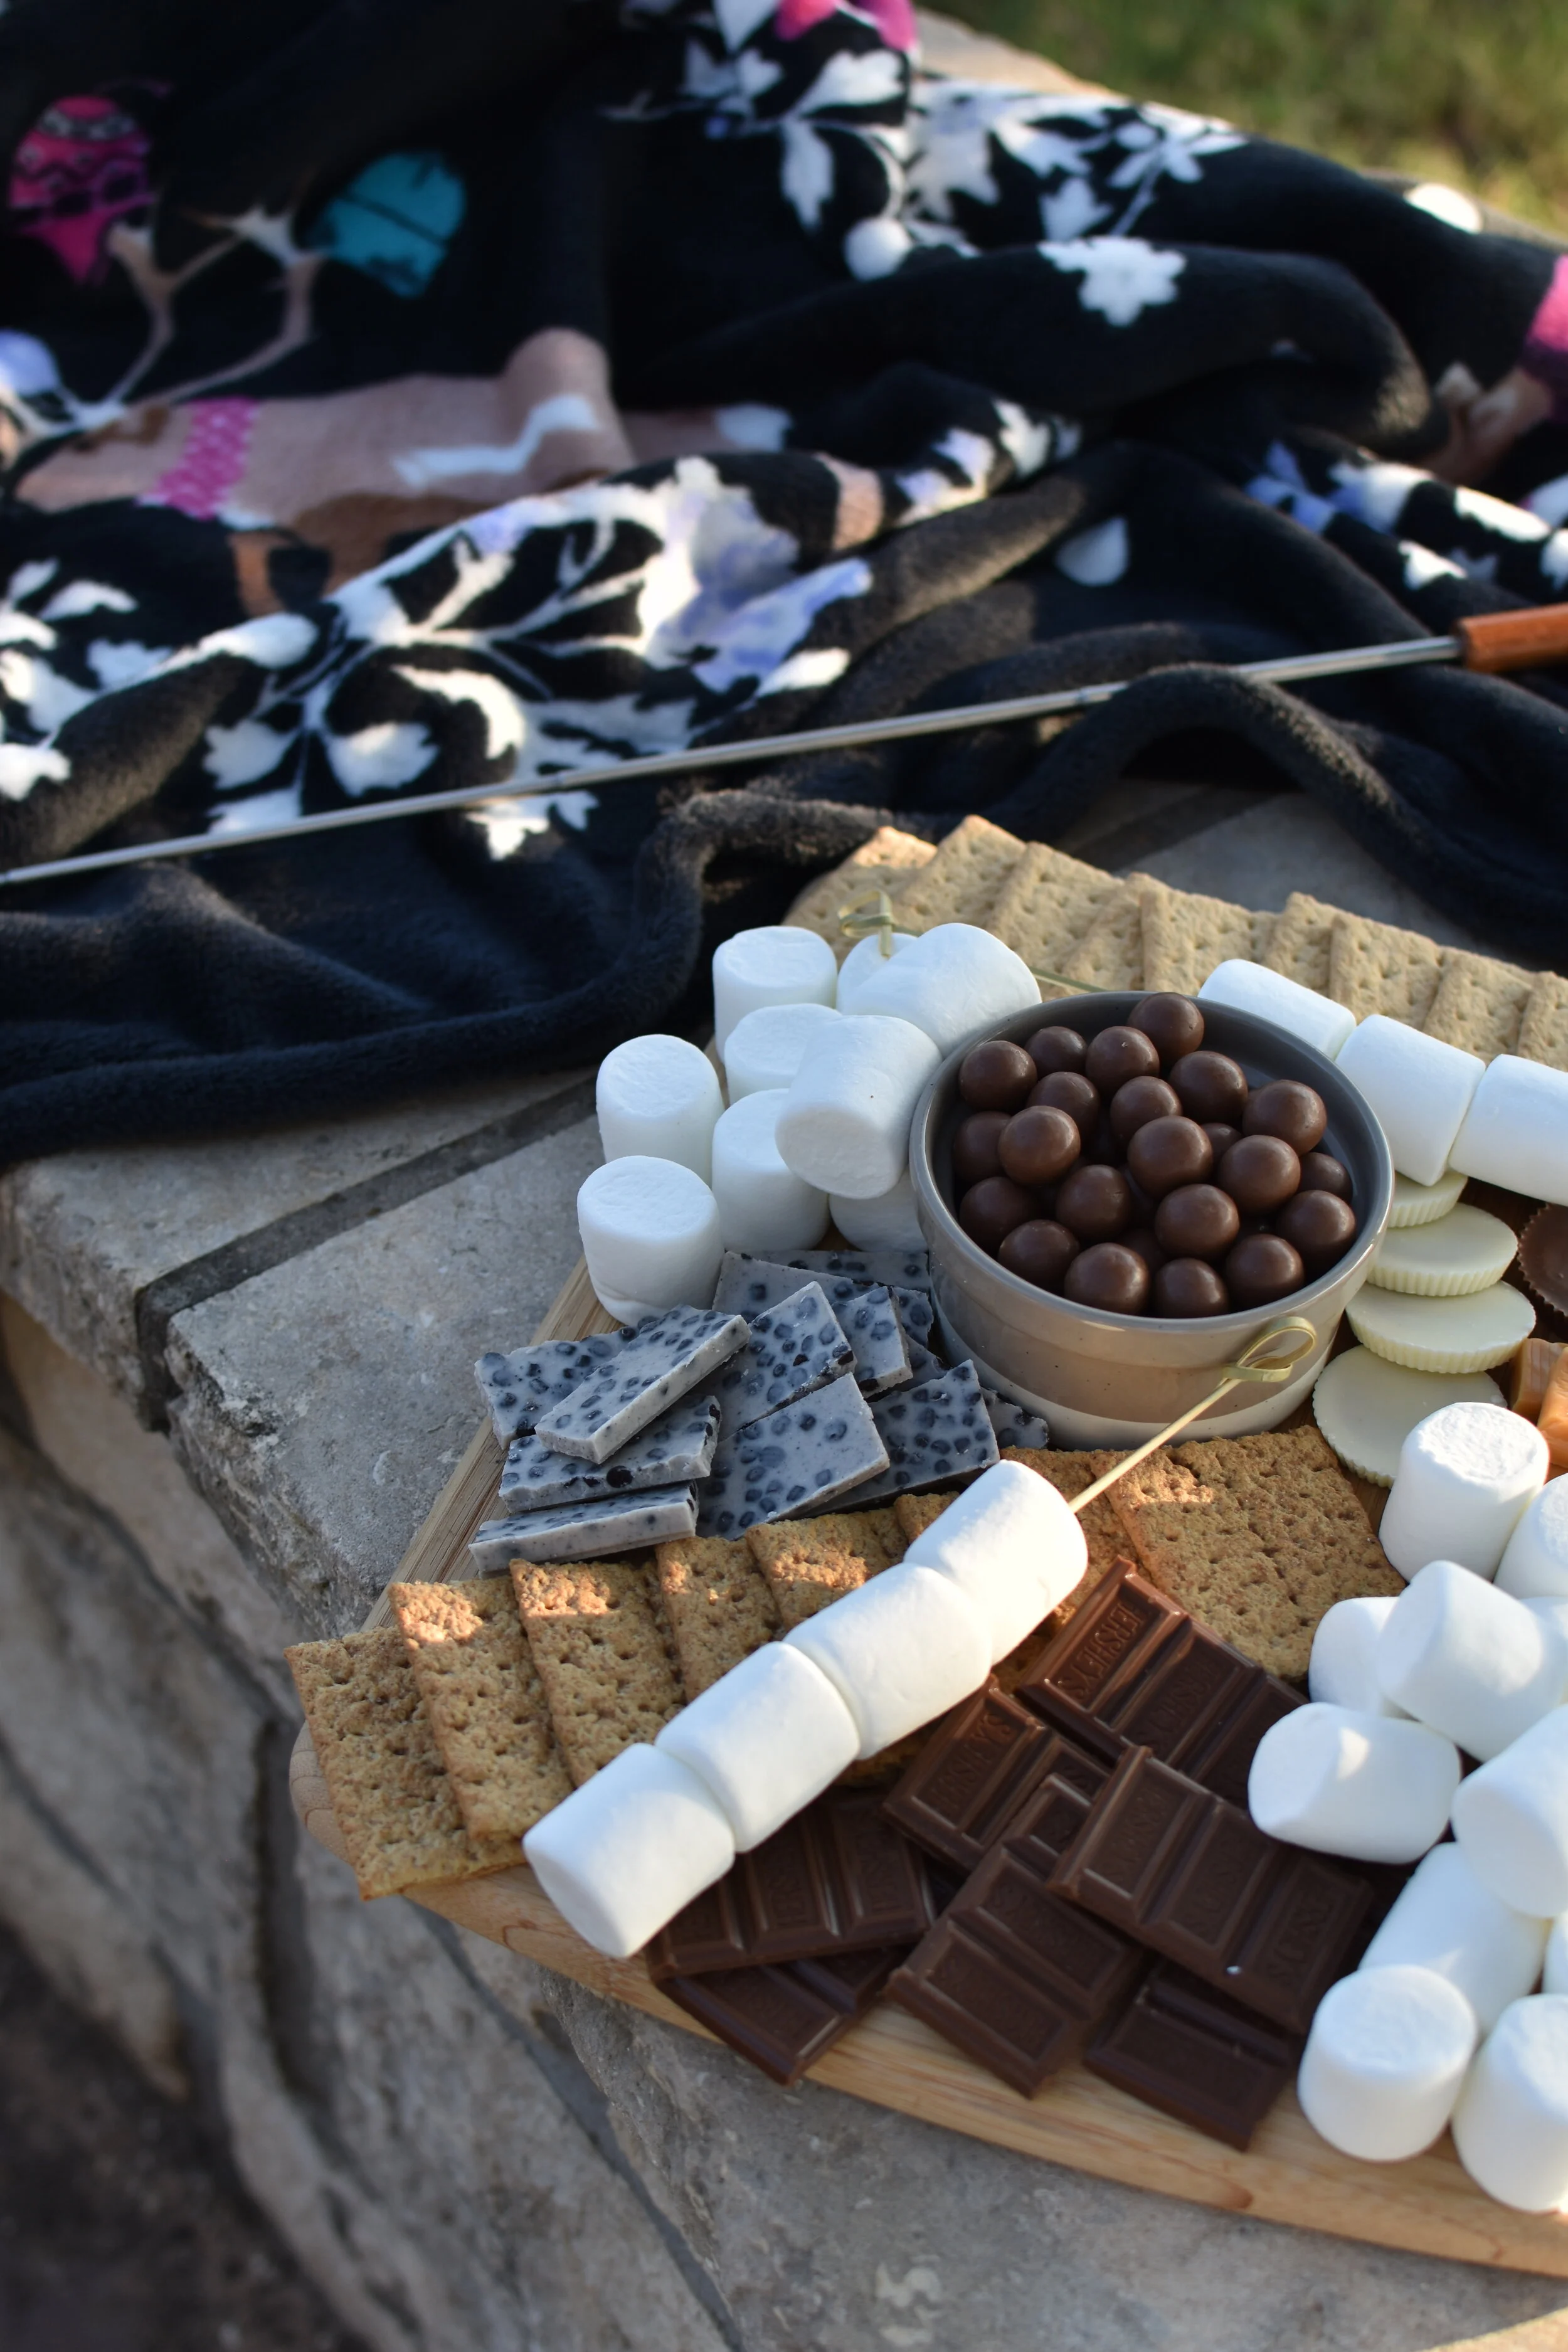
[{"x": 1493, "y": 642}]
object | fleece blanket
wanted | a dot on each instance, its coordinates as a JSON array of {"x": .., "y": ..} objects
[{"x": 451, "y": 394}]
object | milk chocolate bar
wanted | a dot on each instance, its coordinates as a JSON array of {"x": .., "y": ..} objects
[
  {"x": 1189, "y": 2050},
  {"x": 987, "y": 1758},
  {"x": 782, "y": 2019}
]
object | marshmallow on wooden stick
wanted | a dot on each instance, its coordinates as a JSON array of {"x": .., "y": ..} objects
[
  {"x": 1510, "y": 2120},
  {"x": 887, "y": 1221},
  {"x": 765, "y": 1738},
  {"x": 846, "y": 1123},
  {"x": 1419, "y": 1088},
  {"x": 1384, "y": 2060},
  {"x": 1511, "y": 1817},
  {"x": 1554, "y": 1968},
  {"x": 1466, "y": 1474},
  {"x": 1470, "y": 1661},
  {"x": 1535, "y": 1564},
  {"x": 1445, "y": 1919},
  {"x": 632, "y": 1846},
  {"x": 779, "y": 965},
  {"x": 863, "y": 963},
  {"x": 1342, "y": 1670},
  {"x": 650, "y": 1235},
  {"x": 763, "y": 1206},
  {"x": 899, "y": 1652},
  {"x": 1366, "y": 1786},
  {"x": 1012, "y": 1544},
  {"x": 1516, "y": 1130},
  {"x": 955, "y": 980},
  {"x": 765, "y": 1049},
  {"x": 659, "y": 1098},
  {"x": 1273, "y": 996}
]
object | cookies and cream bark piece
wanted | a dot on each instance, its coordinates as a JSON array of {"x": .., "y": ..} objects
[
  {"x": 1471, "y": 1662},
  {"x": 659, "y": 1098},
  {"x": 1465, "y": 1477},
  {"x": 664, "y": 1359},
  {"x": 1443, "y": 1918},
  {"x": 650, "y": 1235},
  {"x": 934, "y": 1432},
  {"x": 630, "y": 1848},
  {"x": 906, "y": 1269},
  {"x": 794, "y": 1461},
  {"x": 516, "y": 1387},
  {"x": 844, "y": 1122},
  {"x": 672, "y": 1451},
  {"x": 1367, "y": 1786},
  {"x": 1014, "y": 1424},
  {"x": 586, "y": 1530},
  {"x": 1384, "y": 2060},
  {"x": 1300, "y": 1011},
  {"x": 794, "y": 1347},
  {"x": 1419, "y": 1090}
]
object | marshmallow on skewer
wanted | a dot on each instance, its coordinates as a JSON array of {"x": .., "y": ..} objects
[
  {"x": 1555, "y": 1968},
  {"x": 1342, "y": 1669},
  {"x": 888, "y": 1220},
  {"x": 1516, "y": 1130},
  {"x": 955, "y": 980},
  {"x": 763, "y": 1206},
  {"x": 659, "y": 1097},
  {"x": 1419, "y": 1088},
  {"x": 1470, "y": 1661},
  {"x": 632, "y": 1846},
  {"x": 864, "y": 960},
  {"x": 779, "y": 965},
  {"x": 650, "y": 1235},
  {"x": 846, "y": 1123},
  {"x": 1510, "y": 2120},
  {"x": 1366, "y": 1786},
  {"x": 1535, "y": 1563},
  {"x": 1445, "y": 1919},
  {"x": 899, "y": 1652},
  {"x": 1011, "y": 1543},
  {"x": 1300, "y": 1012},
  {"x": 765, "y": 1738},
  {"x": 1511, "y": 1817},
  {"x": 1384, "y": 2060},
  {"x": 1466, "y": 1474},
  {"x": 765, "y": 1049}
]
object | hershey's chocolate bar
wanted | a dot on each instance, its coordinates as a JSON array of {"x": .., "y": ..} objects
[
  {"x": 782, "y": 2019},
  {"x": 977, "y": 1767},
  {"x": 1186, "y": 2049}
]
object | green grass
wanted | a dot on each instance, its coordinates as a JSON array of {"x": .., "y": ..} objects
[{"x": 1473, "y": 92}]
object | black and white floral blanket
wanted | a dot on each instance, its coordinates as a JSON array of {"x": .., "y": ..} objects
[{"x": 530, "y": 395}]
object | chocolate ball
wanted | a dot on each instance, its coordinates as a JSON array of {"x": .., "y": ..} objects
[
  {"x": 989, "y": 1211},
  {"x": 1186, "y": 1286},
  {"x": 1221, "y": 1135},
  {"x": 1094, "y": 1202},
  {"x": 1038, "y": 1146},
  {"x": 1041, "y": 1252},
  {"x": 1056, "y": 1049},
  {"x": 995, "y": 1076},
  {"x": 1318, "y": 1226},
  {"x": 1108, "y": 1277},
  {"x": 1142, "y": 1239},
  {"x": 1169, "y": 1152},
  {"x": 1287, "y": 1108},
  {"x": 1212, "y": 1087},
  {"x": 1174, "y": 1022},
  {"x": 975, "y": 1141},
  {"x": 1118, "y": 1054},
  {"x": 1262, "y": 1268},
  {"x": 1198, "y": 1221},
  {"x": 1321, "y": 1172},
  {"x": 1259, "y": 1172},
  {"x": 1140, "y": 1100},
  {"x": 1070, "y": 1091}
]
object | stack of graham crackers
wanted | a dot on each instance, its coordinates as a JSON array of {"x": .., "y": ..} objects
[
  {"x": 1108, "y": 931},
  {"x": 444, "y": 1738}
]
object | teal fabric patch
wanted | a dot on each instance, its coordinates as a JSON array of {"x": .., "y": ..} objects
[{"x": 394, "y": 222}]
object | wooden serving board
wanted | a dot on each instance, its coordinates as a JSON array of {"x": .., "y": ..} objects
[{"x": 1427, "y": 2205}]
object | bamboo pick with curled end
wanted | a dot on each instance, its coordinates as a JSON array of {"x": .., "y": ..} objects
[
  {"x": 1250, "y": 1365},
  {"x": 873, "y": 913}
]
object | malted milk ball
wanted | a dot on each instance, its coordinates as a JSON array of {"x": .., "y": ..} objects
[
  {"x": 1174, "y": 1022},
  {"x": 995, "y": 1076},
  {"x": 1070, "y": 1091},
  {"x": 1056, "y": 1048},
  {"x": 1211, "y": 1086},
  {"x": 1118, "y": 1054},
  {"x": 1132, "y": 1106},
  {"x": 1289, "y": 1109}
]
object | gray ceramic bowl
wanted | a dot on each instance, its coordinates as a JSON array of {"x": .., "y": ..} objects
[{"x": 1114, "y": 1379}]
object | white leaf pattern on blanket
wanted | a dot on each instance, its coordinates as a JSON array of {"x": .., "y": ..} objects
[{"x": 1123, "y": 276}]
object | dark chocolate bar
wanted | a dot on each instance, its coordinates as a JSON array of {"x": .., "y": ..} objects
[
  {"x": 836, "y": 1879},
  {"x": 782, "y": 2019},
  {"x": 1196, "y": 1880},
  {"x": 977, "y": 1767},
  {"x": 1186, "y": 2049}
]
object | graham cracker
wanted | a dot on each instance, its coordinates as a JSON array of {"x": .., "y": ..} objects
[
  {"x": 1109, "y": 952},
  {"x": 1299, "y": 943},
  {"x": 1255, "y": 1535},
  {"x": 1187, "y": 935},
  {"x": 597, "y": 1632},
  {"x": 390, "y": 1792},
  {"x": 481, "y": 1690},
  {"x": 1378, "y": 968},
  {"x": 1480, "y": 1003},
  {"x": 914, "y": 1513},
  {"x": 1048, "y": 903},
  {"x": 719, "y": 1605},
  {"x": 809, "y": 1562},
  {"x": 887, "y": 859},
  {"x": 1543, "y": 1031},
  {"x": 963, "y": 882}
]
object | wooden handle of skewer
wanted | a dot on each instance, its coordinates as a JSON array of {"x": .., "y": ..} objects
[{"x": 1503, "y": 641}]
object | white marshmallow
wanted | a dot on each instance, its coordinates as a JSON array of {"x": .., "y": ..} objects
[
  {"x": 1465, "y": 1475},
  {"x": 659, "y": 1097},
  {"x": 623, "y": 1854},
  {"x": 1342, "y": 1670},
  {"x": 1384, "y": 2060},
  {"x": 1418, "y": 1086},
  {"x": 1554, "y": 1969},
  {"x": 1469, "y": 1660},
  {"x": 1012, "y": 1544},
  {"x": 1446, "y": 1920},
  {"x": 888, "y": 1220},
  {"x": 1511, "y": 1817},
  {"x": 765, "y": 1049},
  {"x": 1300, "y": 1012},
  {"x": 1363, "y": 1785},
  {"x": 1536, "y": 1559},
  {"x": 763, "y": 1206},
  {"x": 764, "y": 1740},
  {"x": 650, "y": 1235},
  {"x": 1551, "y": 1608},
  {"x": 1516, "y": 1131},
  {"x": 1510, "y": 2120},
  {"x": 864, "y": 960},
  {"x": 846, "y": 1126},
  {"x": 780, "y": 965},
  {"x": 955, "y": 980},
  {"x": 899, "y": 1652}
]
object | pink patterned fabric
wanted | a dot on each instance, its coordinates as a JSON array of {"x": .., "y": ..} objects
[
  {"x": 1545, "y": 353},
  {"x": 211, "y": 462},
  {"x": 894, "y": 19}
]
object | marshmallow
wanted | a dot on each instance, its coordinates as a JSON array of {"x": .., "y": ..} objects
[
  {"x": 1510, "y": 2120},
  {"x": 764, "y": 1740},
  {"x": 659, "y": 1098},
  {"x": 886, "y": 1220},
  {"x": 1465, "y": 1475},
  {"x": 765, "y": 1049},
  {"x": 1511, "y": 1817},
  {"x": 1384, "y": 2060},
  {"x": 899, "y": 1652},
  {"x": 650, "y": 1235},
  {"x": 762, "y": 1205},
  {"x": 1446, "y": 1920},
  {"x": 1011, "y": 1543},
  {"x": 1551, "y": 1608},
  {"x": 1516, "y": 1131},
  {"x": 1467, "y": 1659},
  {"x": 630, "y": 1848},
  {"x": 955, "y": 980},
  {"x": 1342, "y": 1670},
  {"x": 864, "y": 960},
  {"x": 1367, "y": 1407},
  {"x": 846, "y": 1123},
  {"x": 780, "y": 965},
  {"x": 1555, "y": 1970},
  {"x": 1300, "y": 1011},
  {"x": 1339, "y": 1781},
  {"x": 1535, "y": 1561},
  {"x": 1418, "y": 1087}
]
